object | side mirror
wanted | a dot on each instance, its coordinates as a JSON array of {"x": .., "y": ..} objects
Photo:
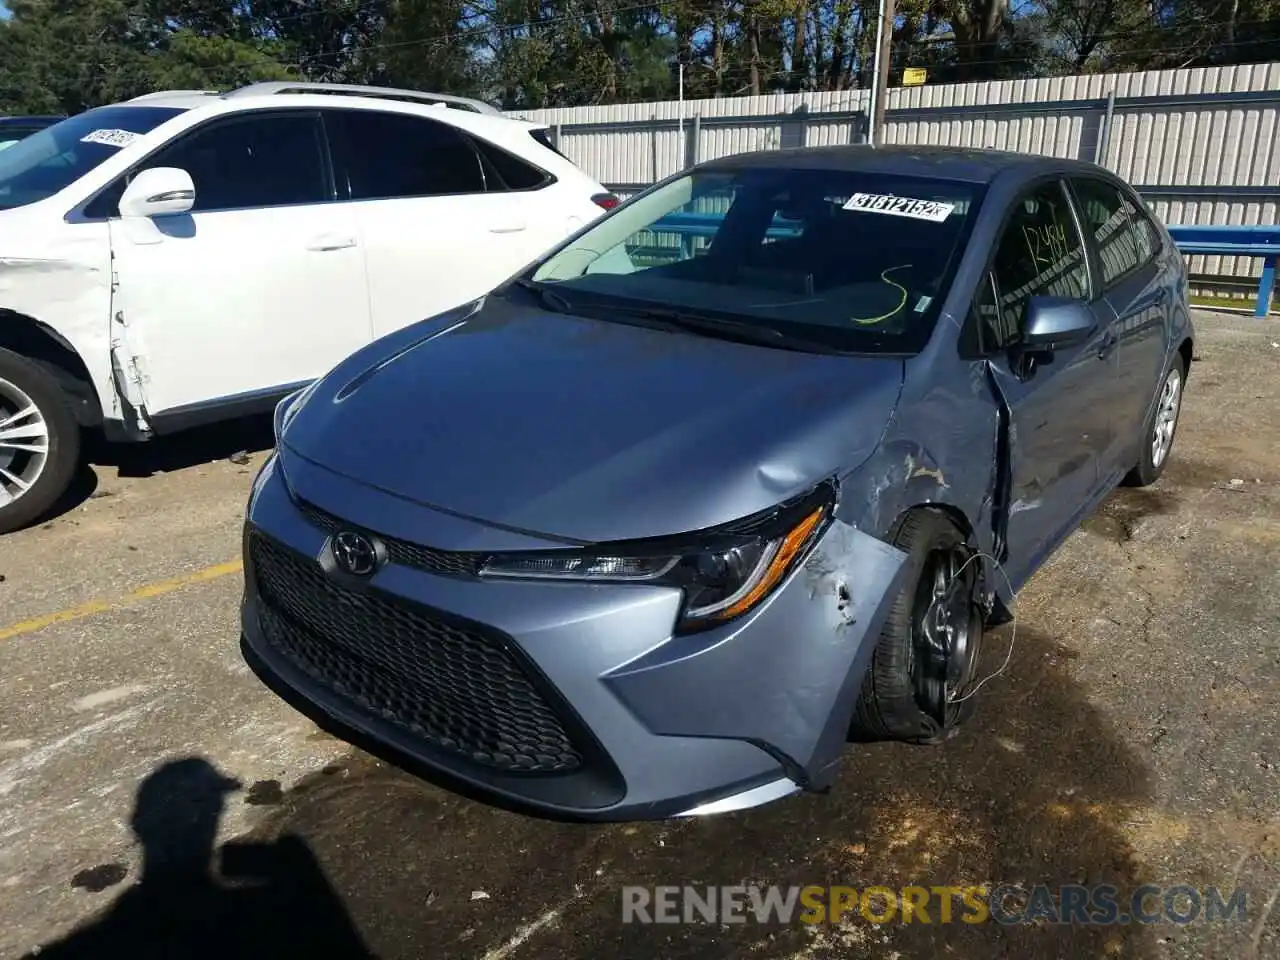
[
  {"x": 1056, "y": 323},
  {"x": 158, "y": 191}
]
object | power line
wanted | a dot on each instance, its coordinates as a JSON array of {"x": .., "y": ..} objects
[{"x": 348, "y": 10}]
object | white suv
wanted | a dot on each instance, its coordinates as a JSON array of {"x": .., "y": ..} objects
[{"x": 190, "y": 256}]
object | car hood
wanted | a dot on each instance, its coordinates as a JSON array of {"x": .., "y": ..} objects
[{"x": 588, "y": 430}]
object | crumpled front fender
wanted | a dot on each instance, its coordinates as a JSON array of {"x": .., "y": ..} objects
[
  {"x": 788, "y": 678},
  {"x": 62, "y": 282}
]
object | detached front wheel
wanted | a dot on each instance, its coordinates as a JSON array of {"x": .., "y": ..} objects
[
  {"x": 39, "y": 442},
  {"x": 922, "y": 672}
]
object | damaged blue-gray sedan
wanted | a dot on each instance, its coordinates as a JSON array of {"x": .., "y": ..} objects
[{"x": 739, "y": 473}]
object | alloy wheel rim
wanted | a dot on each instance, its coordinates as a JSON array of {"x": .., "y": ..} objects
[
  {"x": 24, "y": 443},
  {"x": 1166, "y": 418}
]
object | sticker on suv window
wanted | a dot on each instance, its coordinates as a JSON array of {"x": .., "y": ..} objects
[
  {"x": 900, "y": 206},
  {"x": 110, "y": 138}
]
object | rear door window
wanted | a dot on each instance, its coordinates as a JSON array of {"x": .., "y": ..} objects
[
  {"x": 1118, "y": 230},
  {"x": 1146, "y": 238},
  {"x": 505, "y": 171},
  {"x": 385, "y": 155},
  {"x": 544, "y": 138}
]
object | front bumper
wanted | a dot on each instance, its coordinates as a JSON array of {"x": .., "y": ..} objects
[{"x": 568, "y": 699}]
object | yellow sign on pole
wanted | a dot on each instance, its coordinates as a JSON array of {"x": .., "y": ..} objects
[{"x": 913, "y": 76}]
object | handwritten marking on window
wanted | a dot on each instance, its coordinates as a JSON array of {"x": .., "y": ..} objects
[{"x": 1046, "y": 242}]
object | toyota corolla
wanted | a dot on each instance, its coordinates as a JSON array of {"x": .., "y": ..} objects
[{"x": 737, "y": 474}]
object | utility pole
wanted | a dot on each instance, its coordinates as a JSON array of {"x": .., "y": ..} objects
[{"x": 880, "y": 83}]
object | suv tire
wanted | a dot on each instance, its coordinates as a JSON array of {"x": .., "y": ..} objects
[{"x": 38, "y": 462}]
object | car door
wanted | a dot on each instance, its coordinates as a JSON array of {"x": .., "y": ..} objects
[
  {"x": 435, "y": 235},
  {"x": 1125, "y": 244},
  {"x": 1057, "y": 409},
  {"x": 260, "y": 287},
  {"x": 552, "y": 208}
]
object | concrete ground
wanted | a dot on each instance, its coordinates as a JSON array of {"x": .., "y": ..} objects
[{"x": 1132, "y": 740}]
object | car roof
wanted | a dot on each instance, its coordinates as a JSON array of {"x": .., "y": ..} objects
[
  {"x": 181, "y": 99},
  {"x": 338, "y": 97},
  {"x": 949, "y": 163}
]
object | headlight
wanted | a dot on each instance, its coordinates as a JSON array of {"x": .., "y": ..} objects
[
  {"x": 724, "y": 573},
  {"x": 288, "y": 408}
]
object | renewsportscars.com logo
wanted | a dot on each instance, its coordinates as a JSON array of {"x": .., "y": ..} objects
[{"x": 1069, "y": 904}]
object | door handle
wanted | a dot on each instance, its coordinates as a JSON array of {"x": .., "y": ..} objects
[
  {"x": 329, "y": 241},
  {"x": 508, "y": 228}
]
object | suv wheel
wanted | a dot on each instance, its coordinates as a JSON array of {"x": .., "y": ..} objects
[{"x": 39, "y": 442}]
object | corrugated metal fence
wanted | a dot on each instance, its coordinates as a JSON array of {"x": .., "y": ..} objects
[{"x": 1202, "y": 145}]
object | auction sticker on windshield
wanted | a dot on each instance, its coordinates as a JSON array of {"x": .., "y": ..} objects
[
  {"x": 110, "y": 138},
  {"x": 900, "y": 206}
]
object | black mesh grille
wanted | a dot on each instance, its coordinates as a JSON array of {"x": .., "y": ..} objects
[
  {"x": 401, "y": 552},
  {"x": 459, "y": 689}
]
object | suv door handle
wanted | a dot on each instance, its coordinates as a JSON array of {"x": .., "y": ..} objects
[
  {"x": 330, "y": 241},
  {"x": 507, "y": 228}
]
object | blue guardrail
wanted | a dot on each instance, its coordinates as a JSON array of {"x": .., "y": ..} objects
[{"x": 1242, "y": 241}]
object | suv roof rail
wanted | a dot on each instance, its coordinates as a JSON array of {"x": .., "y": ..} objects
[
  {"x": 273, "y": 87},
  {"x": 161, "y": 94}
]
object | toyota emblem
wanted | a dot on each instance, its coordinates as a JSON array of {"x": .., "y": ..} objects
[{"x": 354, "y": 553}]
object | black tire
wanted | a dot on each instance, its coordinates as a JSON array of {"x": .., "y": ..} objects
[
  {"x": 1147, "y": 470},
  {"x": 63, "y": 446},
  {"x": 900, "y": 697}
]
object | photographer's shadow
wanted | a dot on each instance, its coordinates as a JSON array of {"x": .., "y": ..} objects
[{"x": 262, "y": 900}]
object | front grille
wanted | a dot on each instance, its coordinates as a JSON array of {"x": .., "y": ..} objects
[
  {"x": 457, "y": 688},
  {"x": 443, "y": 562}
]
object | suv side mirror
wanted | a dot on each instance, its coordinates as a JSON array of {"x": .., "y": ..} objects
[
  {"x": 1056, "y": 323},
  {"x": 158, "y": 191}
]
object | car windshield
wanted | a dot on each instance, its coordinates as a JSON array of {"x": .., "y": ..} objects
[
  {"x": 844, "y": 259},
  {"x": 11, "y": 133},
  {"x": 38, "y": 166}
]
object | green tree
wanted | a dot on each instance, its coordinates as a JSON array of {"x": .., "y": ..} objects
[
  {"x": 66, "y": 55},
  {"x": 69, "y": 55}
]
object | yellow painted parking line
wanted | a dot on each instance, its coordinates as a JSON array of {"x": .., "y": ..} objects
[{"x": 93, "y": 607}]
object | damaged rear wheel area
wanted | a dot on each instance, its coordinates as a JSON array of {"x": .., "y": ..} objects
[
  {"x": 39, "y": 441},
  {"x": 919, "y": 684}
]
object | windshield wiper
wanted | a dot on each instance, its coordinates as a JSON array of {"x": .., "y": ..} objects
[
  {"x": 548, "y": 297},
  {"x": 694, "y": 321},
  {"x": 685, "y": 319}
]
